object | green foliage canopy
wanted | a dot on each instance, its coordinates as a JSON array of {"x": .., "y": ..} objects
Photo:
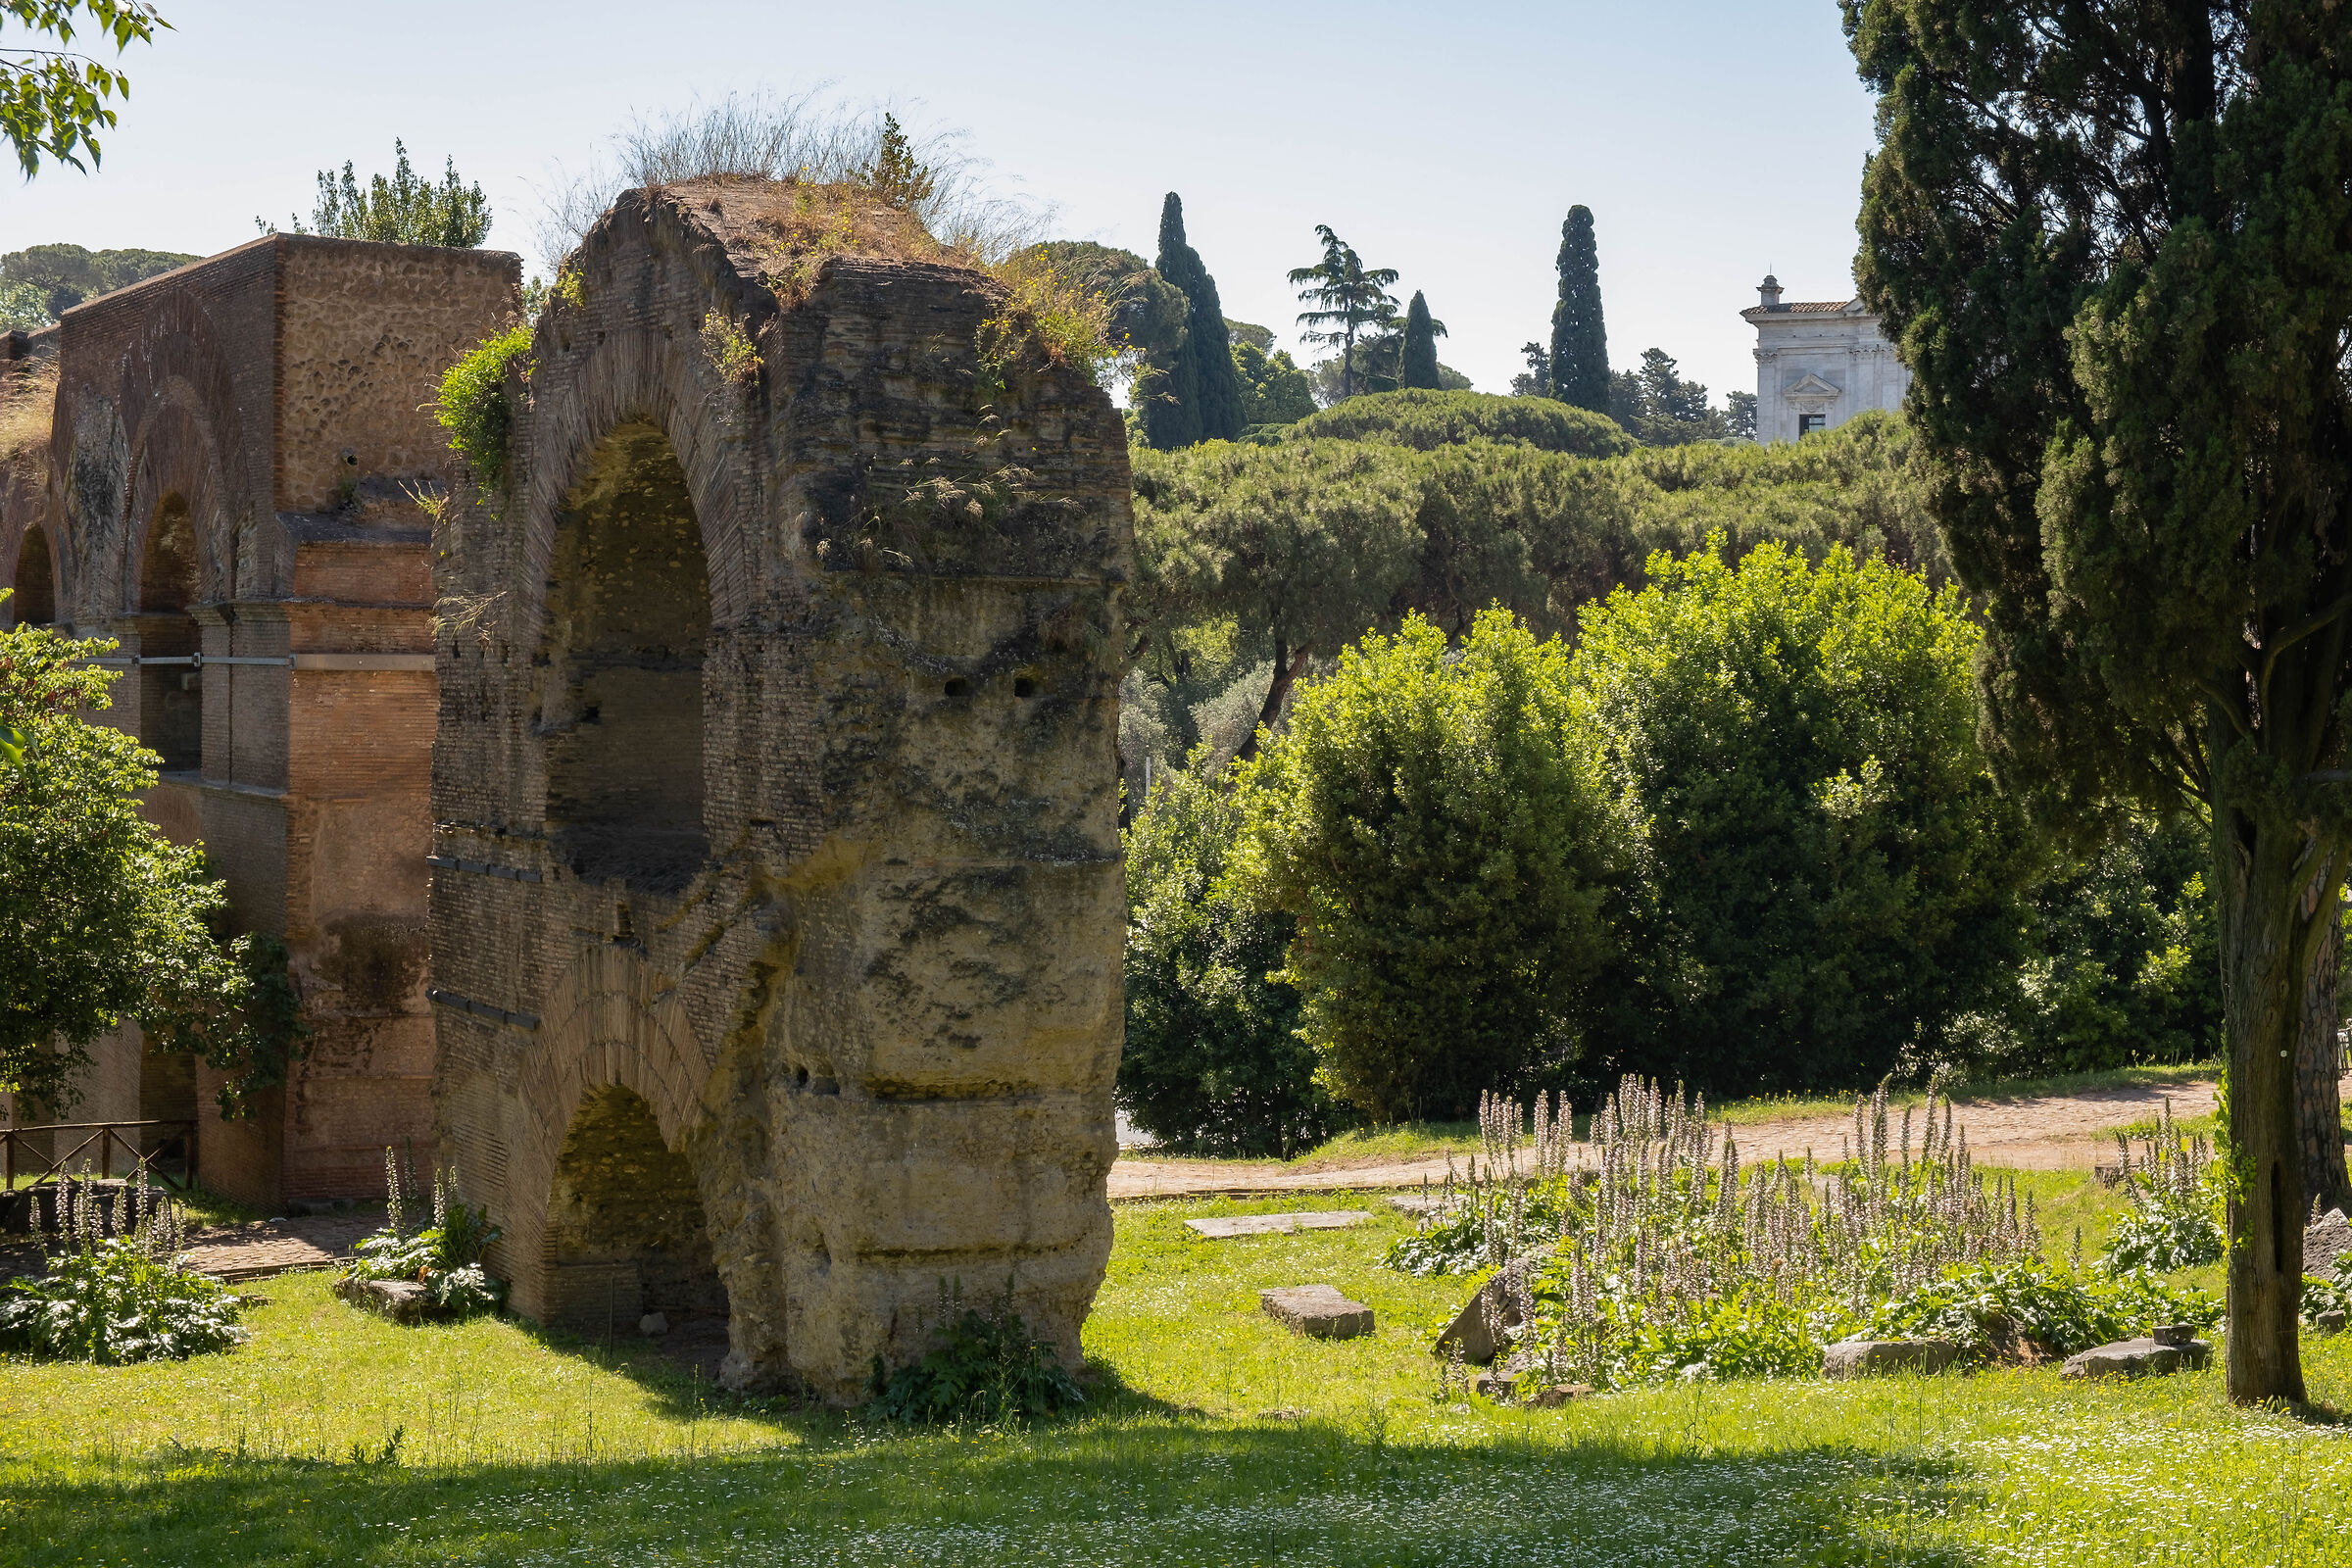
[
  {"x": 54, "y": 97},
  {"x": 1417, "y": 362},
  {"x": 1428, "y": 824},
  {"x": 2116, "y": 250},
  {"x": 1425, "y": 419},
  {"x": 41, "y": 282},
  {"x": 1197, "y": 397},
  {"x": 100, "y": 915},
  {"x": 404, "y": 209},
  {"x": 1825, "y": 866},
  {"x": 1212, "y": 1063},
  {"x": 1343, "y": 297},
  {"x": 1578, "y": 364}
]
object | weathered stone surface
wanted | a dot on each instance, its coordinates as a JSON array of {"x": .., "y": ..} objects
[
  {"x": 1496, "y": 1306},
  {"x": 400, "y": 1300},
  {"x": 773, "y": 791},
  {"x": 1318, "y": 1311},
  {"x": 1857, "y": 1359},
  {"x": 2330, "y": 1321},
  {"x": 1224, "y": 1227},
  {"x": 1559, "y": 1394},
  {"x": 2134, "y": 1358},
  {"x": 1500, "y": 1387},
  {"x": 2326, "y": 1239},
  {"x": 654, "y": 1325}
]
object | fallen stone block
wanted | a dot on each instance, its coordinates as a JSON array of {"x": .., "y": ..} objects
[
  {"x": 2326, "y": 1239},
  {"x": 2136, "y": 1359},
  {"x": 1224, "y": 1227},
  {"x": 2330, "y": 1321},
  {"x": 400, "y": 1300},
  {"x": 1495, "y": 1308},
  {"x": 654, "y": 1325},
  {"x": 1559, "y": 1394},
  {"x": 1317, "y": 1311},
  {"x": 1862, "y": 1358},
  {"x": 1500, "y": 1387}
]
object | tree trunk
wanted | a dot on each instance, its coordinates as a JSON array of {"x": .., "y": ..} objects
[
  {"x": 2260, "y": 875},
  {"x": 2318, "y": 1064},
  {"x": 1286, "y": 674}
]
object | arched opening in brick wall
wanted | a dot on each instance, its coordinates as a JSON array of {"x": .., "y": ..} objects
[
  {"x": 34, "y": 602},
  {"x": 625, "y": 1232},
  {"x": 170, "y": 694},
  {"x": 627, "y": 616}
]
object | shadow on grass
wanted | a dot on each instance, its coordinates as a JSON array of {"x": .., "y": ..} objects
[{"x": 1124, "y": 1486}]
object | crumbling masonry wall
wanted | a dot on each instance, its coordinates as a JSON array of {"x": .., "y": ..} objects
[{"x": 775, "y": 792}]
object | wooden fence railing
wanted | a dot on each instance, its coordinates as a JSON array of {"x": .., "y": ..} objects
[{"x": 94, "y": 1152}]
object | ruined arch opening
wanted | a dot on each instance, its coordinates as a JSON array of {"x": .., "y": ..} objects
[
  {"x": 628, "y": 616},
  {"x": 171, "y": 682},
  {"x": 34, "y": 602},
  {"x": 625, "y": 1230}
]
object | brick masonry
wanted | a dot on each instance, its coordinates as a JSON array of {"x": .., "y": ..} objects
[{"x": 232, "y": 468}]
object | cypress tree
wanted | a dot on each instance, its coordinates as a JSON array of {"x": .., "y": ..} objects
[
  {"x": 1580, "y": 341},
  {"x": 1201, "y": 397},
  {"x": 1419, "y": 367}
]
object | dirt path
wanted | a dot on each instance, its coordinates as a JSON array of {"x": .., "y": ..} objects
[{"x": 2033, "y": 1132}]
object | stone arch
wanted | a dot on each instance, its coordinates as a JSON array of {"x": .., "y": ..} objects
[
  {"x": 614, "y": 1022},
  {"x": 626, "y": 1233},
  {"x": 34, "y": 578},
  {"x": 183, "y": 407},
  {"x": 621, "y": 707},
  {"x": 171, "y": 680}
]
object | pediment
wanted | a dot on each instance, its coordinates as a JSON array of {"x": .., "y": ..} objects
[{"x": 1810, "y": 386}]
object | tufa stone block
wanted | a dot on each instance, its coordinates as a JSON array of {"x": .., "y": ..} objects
[
  {"x": 2324, "y": 1241},
  {"x": 400, "y": 1300},
  {"x": 1861, "y": 1358},
  {"x": 1225, "y": 1227},
  {"x": 2136, "y": 1358},
  {"x": 1559, "y": 1394},
  {"x": 1317, "y": 1311}
]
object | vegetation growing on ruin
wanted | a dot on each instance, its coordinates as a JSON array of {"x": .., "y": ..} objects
[
  {"x": 732, "y": 354},
  {"x": 473, "y": 406},
  {"x": 27, "y": 409},
  {"x": 403, "y": 209}
]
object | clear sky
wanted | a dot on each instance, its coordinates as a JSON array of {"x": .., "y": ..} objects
[{"x": 1711, "y": 141}]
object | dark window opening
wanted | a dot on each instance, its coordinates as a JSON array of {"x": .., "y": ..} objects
[
  {"x": 1023, "y": 686},
  {"x": 171, "y": 695},
  {"x": 36, "y": 600},
  {"x": 958, "y": 687},
  {"x": 628, "y": 615},
  {"x": 1807, "y": 424},
  {"x": 625, "y": 1230}
]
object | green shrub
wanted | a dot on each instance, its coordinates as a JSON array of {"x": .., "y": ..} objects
[
  {"x": 1430, "y": 823},
  {"x": 986, "y": 1368},
  {"x": 119, "y": 1299},
  {"x": 1828, "y": 874},
  {"x": 445, "y": 1258},
  {"x": 2176, "y": 1219},
  {"x": 474, "y": 407},
  {"x": 1425, "y": 419},
  {"x": 1212, "y": 1063},
  {"x": 2060, "y": 1312}
]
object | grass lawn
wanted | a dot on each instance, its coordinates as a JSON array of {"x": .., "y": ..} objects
[{"x": 1217, "y": 1438}]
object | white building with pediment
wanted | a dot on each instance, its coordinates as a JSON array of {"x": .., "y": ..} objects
[{"x": 1818, "y": 364}]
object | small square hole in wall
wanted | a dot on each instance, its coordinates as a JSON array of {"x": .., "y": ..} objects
[
  {"x": 958, "y": 687},
  {"x": 1023, "y": 686}
]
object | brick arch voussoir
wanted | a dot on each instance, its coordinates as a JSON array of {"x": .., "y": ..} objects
[
  {"x": 636, "y": 364},
  {"x": 611, "y": 1022},
  {"x": 177, "y": 375},
  {"x": 174, "y": 452}
]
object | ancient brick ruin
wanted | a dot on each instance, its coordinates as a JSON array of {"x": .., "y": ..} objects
[
  {"x": 777, "y": 913},
  {"x": 774, "y": 899},
  {"x": 230, "y": 492}
]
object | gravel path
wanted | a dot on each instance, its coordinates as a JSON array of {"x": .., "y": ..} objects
[{"x": 2029, "y": 1132}]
